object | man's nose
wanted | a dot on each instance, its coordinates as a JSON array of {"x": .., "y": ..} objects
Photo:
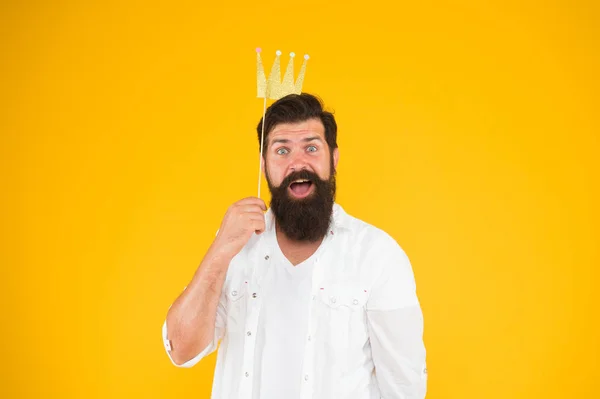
[{"x": 298, "y": 162}]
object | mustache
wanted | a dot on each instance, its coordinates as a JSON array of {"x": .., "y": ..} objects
[{"x": 301, "y": 174}]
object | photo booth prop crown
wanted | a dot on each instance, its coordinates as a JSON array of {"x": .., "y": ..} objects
[{"x": 273, "y": 87}]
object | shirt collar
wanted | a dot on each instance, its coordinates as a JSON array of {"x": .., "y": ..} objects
[{"x": 340, "y": 219}]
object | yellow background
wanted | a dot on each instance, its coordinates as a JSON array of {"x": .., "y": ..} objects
[{"x": 468, "y": 130}]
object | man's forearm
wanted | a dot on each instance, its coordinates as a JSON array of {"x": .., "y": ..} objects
[{"x": 191, "y": 319}]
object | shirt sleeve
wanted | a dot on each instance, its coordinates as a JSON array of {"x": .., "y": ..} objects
[
  {"x": 210, "y": 348},
  {"x": 395, "y": 325}
]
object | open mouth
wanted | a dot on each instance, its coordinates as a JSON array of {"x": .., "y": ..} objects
[{"x": 301, "y": 188}]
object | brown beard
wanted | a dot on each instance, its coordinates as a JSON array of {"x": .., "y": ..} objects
[{"x": 305, "y": 219}]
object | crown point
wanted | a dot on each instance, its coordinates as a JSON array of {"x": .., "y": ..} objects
[
  {"x": 258, "y": 49},
  {"x": 292, "y": 54},
  {"x": 306, "y": 56},
  {"x": 278, "y": 52}
]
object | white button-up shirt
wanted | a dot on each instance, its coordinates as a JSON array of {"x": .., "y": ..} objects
[{"x": 363, "y": 325}]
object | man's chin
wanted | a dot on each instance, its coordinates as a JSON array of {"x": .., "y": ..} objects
[
  {"x": 300, "y": 200},
  {"x": 302, "y": 219}
]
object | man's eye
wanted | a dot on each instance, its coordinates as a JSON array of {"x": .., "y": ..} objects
[
  {"x": 282, "y": 151},
  {"x": 311, "y": 148}
]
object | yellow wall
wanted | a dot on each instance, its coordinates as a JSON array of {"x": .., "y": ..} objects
[{"x": 468, "y": 130}]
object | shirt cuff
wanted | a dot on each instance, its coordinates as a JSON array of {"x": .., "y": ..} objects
[{"x": 192, "y": 362}]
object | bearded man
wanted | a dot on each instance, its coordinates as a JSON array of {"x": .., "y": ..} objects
[{"x": 306, "y": 300}]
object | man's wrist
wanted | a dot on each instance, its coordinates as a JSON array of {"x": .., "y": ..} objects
[{"x": 220, "y": 253}]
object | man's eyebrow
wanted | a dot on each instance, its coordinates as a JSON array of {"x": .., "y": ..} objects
[
  {"x": 313, "y": 138},
  {"x": 279, "y": 141},
  {"x": 284, "y": 141}
]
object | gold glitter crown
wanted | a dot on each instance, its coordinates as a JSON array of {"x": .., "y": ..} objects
[{"x": 274, "y": 88}]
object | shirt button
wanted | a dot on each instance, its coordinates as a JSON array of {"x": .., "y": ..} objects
[
  {"x": 254, "y": 295},
  {"x": 247, "y": 374},
  {"x": 355, "y": 301},
  {"x": 234, "y": 293},
  {"x": 333, "y": 300},
  {"x": 248, "y": 333},
  {"x": 267, "y": 257},
  {"x": 306, "y": 377}
]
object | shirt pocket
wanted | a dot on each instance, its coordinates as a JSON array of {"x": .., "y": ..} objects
[
  {"x": 342, "y": 315},
  {"x": 236, "y": 306}
]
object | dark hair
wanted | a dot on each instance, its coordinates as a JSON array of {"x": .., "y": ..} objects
[{"x": 299, "y": 108}]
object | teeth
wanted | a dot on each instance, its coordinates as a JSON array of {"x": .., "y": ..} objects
[{"x": 300, "y": 181}]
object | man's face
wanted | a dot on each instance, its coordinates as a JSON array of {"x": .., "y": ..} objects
[
  {"x": 294, "y": 147},
  {"x": 300, "y": 171}
]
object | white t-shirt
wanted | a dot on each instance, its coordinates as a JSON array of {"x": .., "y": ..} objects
[{"x": 282, "y": 328}]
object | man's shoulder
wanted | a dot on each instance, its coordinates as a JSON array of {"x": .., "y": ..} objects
[
  {"x": 369, "y": 242},
  {"x": 365, "y": 235},
  {"x": 371, "y": 251}
]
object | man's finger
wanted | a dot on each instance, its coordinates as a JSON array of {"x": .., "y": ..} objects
[
  {"x": 251, "y": 209},
  {"x": 253, "y": 201}
]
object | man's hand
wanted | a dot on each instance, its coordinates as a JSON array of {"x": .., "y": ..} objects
[{"x": 242, "y": 219}]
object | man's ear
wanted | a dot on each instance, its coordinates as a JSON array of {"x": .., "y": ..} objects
[{"x": 336, "y": 157}]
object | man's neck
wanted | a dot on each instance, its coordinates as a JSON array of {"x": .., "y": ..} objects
[{"x": 296, "y": 251}]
